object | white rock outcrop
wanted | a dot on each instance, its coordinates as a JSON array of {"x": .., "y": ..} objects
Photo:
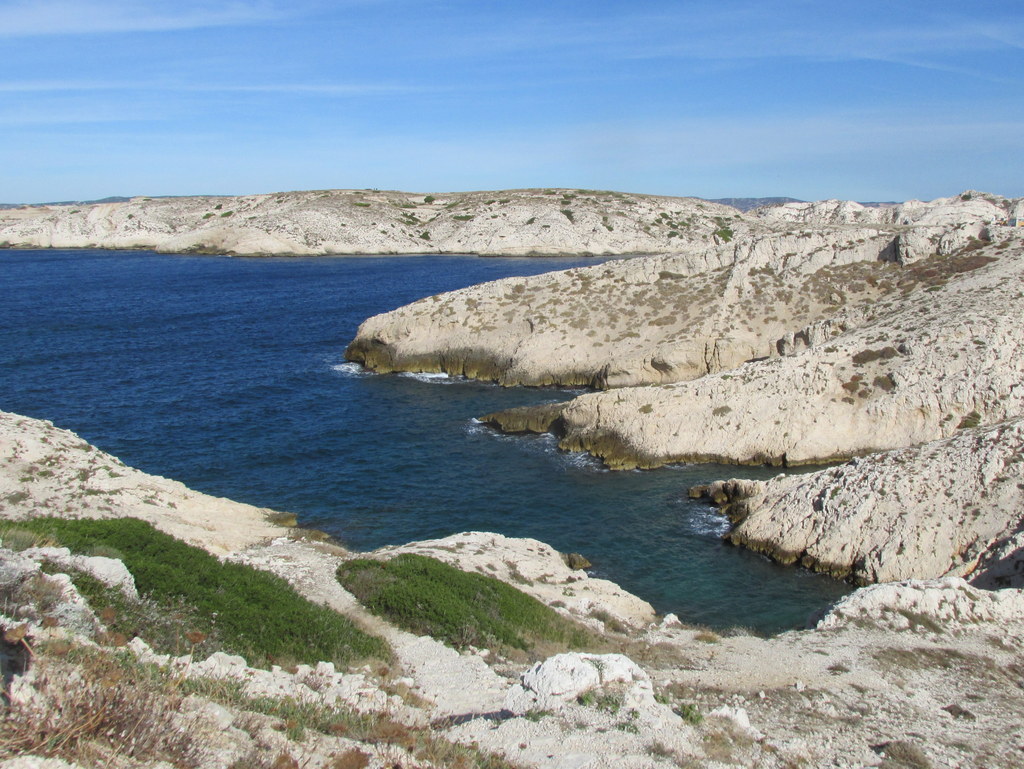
[
  {"x": 537, "y": 569},
  {"x": 563, "y": 678},
  {"x": 950, "y": 507},
  {"x": 945, "y": 606},
  {"x": 110, "y": 571},
  {"x": 912, "y": 369},
  {"x": 710, "y": 306}
]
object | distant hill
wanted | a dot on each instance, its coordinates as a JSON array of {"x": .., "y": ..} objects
[
  {"x": 113, "y": 199},
  {"x": 748, "y": 204}
]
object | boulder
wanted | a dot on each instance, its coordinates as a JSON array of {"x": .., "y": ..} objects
[{"x": 560, "y": 679}]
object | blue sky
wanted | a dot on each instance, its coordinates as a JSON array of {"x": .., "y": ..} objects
[{"x": 862, "y": 100}]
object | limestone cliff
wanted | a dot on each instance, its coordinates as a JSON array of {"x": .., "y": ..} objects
[{"x": 915, "y": 366}]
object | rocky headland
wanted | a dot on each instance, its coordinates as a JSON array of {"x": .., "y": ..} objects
[
  {"x": 703, "y": 304},
  {"x": 906, "y": 674},
  {"x": 951, "y": 507}
]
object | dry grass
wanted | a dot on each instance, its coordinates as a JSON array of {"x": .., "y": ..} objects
[{"x": 95, "y": 710}]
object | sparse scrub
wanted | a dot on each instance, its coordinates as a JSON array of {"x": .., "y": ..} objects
[
  {"x": 98, "y": 706},
  {"x": 689, "y": 712}
]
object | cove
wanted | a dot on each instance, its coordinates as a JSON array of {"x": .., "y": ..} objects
[{"x": 228, "y": 375}]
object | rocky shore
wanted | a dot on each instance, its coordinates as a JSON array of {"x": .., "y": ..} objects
[
  {"x": 951, "y": 507},
  {"x": 922, "y": 673}
]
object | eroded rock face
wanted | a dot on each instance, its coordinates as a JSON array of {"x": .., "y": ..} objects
[
  {"x": 950, "y": 507},
  {"x": 948, "y": 605},
  {"x": 638, "y": 321}
]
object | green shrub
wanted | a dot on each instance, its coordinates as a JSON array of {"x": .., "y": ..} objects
[
  {"x": 689, "y": 713},
  {"x": 255, "y": 613},
  {"x": 425, "y": 596},
  {"x": 969, "y": 421}
]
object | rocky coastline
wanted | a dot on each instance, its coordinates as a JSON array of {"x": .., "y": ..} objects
[{"x": 916, "y": 673}]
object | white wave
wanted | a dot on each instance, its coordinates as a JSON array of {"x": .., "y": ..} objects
[
  {"x": 350, "y": 368},
  {"x": 426, "y": 376},
  {"x": 707, "y": 523},
  {"x": 544, "y": 443}
]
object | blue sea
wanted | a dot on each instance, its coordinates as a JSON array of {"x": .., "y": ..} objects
[{"x": 229, "y": 374}]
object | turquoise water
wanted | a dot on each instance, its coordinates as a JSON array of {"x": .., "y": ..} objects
[{"x": 228, "y": 374}]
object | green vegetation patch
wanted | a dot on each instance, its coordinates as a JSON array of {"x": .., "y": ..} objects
[
  {"x": 427, "y": 597},
  {"x": 252, "y": 612}
]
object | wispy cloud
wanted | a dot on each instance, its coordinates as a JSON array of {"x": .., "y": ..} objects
[
  {"x": 20, "y": 18},
  {"x": 322, "y": 89}
]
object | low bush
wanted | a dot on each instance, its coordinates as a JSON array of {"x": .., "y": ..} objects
[
  {"x": 253, "y": 613},
  {"x": 425, "y": 596}
]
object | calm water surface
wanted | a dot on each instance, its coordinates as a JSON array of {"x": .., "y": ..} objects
[{"x": 228, "y": 374}]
